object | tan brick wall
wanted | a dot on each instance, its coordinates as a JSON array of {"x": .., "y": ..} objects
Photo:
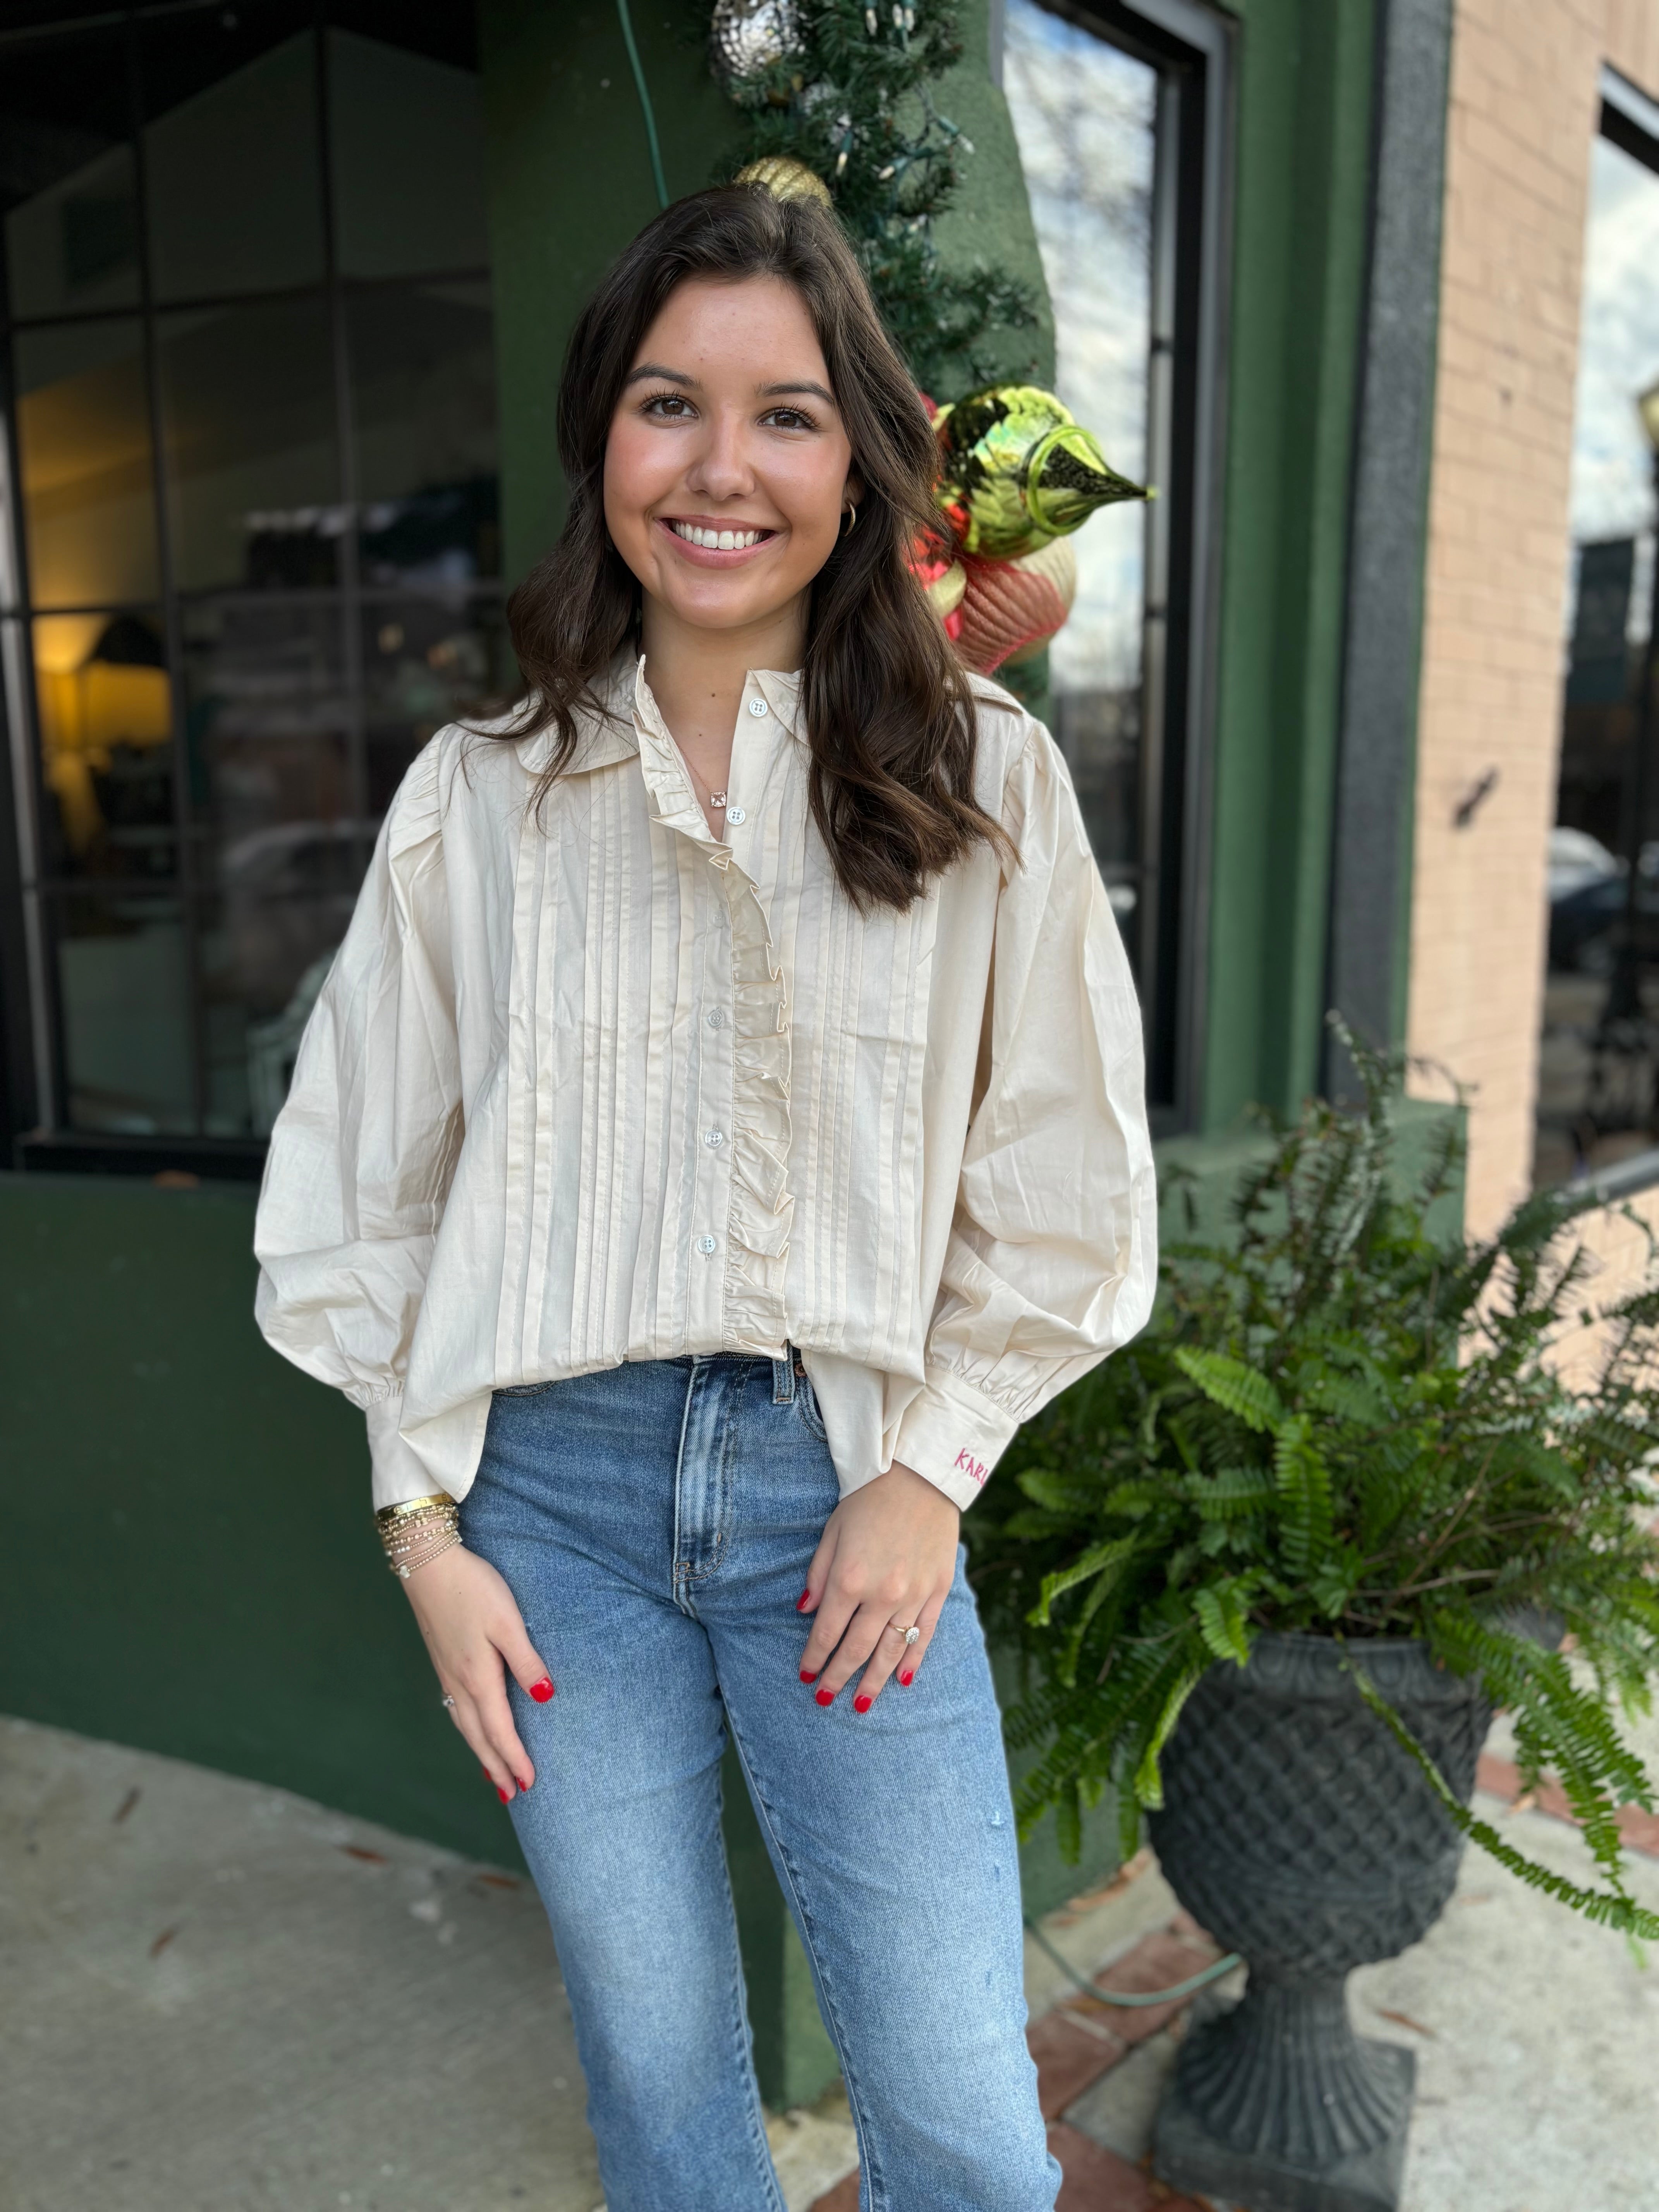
[
  {"x": 1618, "y": 1248},
  {"x": 1522, "y": 119}
]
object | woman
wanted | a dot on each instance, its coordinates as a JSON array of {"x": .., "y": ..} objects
[{"x": 721, "y": 1126}]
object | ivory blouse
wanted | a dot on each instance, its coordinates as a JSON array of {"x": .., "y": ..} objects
[{"x": 601, "y": 1086}]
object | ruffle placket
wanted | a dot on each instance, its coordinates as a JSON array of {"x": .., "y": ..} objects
[{"x": 762, "y": 1205}]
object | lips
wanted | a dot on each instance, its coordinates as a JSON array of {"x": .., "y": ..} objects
[
  {"x": 713, "y": 539},
  {"x": 713, "y": 545}
]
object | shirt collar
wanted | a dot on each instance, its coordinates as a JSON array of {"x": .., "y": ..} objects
[{"x": 629, "y": 711}]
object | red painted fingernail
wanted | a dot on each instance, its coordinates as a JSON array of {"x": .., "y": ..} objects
[
  {"x": 541, "y": 1691},
  {"x": 863, "y": 1702},
  {"x": 802, "y": 1601},
  {"x": 501, "y": 1793},
  {"x": 908, "y": 1679},
  {"x": 523, "y": 1786},
  {"x": 826, "y": 1697},
  {"x": 805, "y": 1677}
]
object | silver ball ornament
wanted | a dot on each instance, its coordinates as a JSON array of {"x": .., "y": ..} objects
[{"x": 747, "y": 37}]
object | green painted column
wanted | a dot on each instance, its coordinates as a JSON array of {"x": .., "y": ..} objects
[{"x": 1303, "y": 141}]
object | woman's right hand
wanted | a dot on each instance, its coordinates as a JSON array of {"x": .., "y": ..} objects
[{"x": 474, "y": 1631}]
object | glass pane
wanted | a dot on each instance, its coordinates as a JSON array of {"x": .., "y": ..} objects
[
  {"x": 87, "y": 483},
  {"x": 424, "y": 400},
  {"x": 425, "y": 665},
  {"x": 67, "y": 181},
  {"x": 253, "y": 471},
  {"x": 267, "y": 720},
  {"x": 231, "y": 149},
  {"x": 124, "y": 975},
  {"x": 406, "y": 134},
  {"x": 264, "y": 949},
  {"x": 1598, "y": 1079},
  {"x": 106, "y": 714},
  {"x": 1084, "y": 115}
]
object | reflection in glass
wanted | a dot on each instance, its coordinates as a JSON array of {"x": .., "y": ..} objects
[
  {"x": 253, "y": 468},
  {"x": 1598, "y": 1070},
  {"x": 84, "y": 445},
  {"x": 67, "y": 179},
  {"x": 406, "y": 133},
  {"x": 423, "y": 403},
  {"x": 1084, "y": 115},
  {"x": 123, "y": 983},
  {"x": 230, "y": 148},
  {"x": 425, "y": 665},
  {"x": 105, "y": 707},
  {"x": 267, "y": 720}
]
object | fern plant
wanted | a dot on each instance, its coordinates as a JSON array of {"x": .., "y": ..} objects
[{"x": 1340, "y": 1424}]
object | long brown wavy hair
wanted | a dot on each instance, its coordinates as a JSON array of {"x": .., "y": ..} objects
[{"x": 889, "y": 711}]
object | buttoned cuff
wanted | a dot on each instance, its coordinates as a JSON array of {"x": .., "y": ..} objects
[
  {"x": 398, "y": 1476},
  {"x": 954, "y": 1434}
]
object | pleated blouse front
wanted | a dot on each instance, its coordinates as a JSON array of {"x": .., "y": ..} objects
[{"x": 587, "y": 1084}]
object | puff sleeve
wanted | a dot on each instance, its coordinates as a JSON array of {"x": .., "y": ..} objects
[
  {"x": 364, "y": 1148},
  {"x": 1051, "y": 1261}
]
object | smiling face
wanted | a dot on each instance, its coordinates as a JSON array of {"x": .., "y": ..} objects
[{"x": 727, "y": 468}]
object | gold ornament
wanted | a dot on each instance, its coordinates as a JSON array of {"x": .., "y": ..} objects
[
  {"x": 786, "y": 179},
  {"x": 1017, "y": 470}
]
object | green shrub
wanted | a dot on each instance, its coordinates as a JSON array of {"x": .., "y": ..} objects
[{"x": 1339, "y": 1425}]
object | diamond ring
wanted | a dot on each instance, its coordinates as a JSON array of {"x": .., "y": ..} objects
[
  {"x": 449, "y": 1702},
  {"x": 911, "y": 1635}
]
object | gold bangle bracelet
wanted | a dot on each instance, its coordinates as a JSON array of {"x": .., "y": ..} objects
[{"x": 389, "y": 1516}]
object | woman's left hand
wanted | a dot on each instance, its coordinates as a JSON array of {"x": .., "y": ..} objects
[{"x": 885, "y": 1564}]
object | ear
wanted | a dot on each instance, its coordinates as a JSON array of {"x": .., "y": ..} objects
[{"x": 852, "y": 489}]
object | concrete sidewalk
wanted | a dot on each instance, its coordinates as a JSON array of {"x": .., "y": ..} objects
[{"x": 218, "y": 1997}]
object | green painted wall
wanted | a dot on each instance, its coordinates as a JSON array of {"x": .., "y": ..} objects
[
  {"x": 1304, "y": 153},
  {"x": 191, "y": 1565}
]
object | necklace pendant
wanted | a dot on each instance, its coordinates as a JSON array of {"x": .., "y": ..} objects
[{"x": 718, "y": 799}]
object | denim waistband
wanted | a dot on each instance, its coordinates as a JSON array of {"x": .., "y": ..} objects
[{"x": 784, "y": 1370}]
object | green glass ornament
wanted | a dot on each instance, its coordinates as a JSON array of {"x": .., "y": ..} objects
[{"x": 1017, "y": 470}]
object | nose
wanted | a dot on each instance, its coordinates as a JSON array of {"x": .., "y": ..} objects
[{"x": 722, "y": 468}]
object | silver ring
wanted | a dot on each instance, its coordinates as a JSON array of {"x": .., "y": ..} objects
[
  {"x": 449, "y": 1702},
  {"x": 911, "y": 1635}
]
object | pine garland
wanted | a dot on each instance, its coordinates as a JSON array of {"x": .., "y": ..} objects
[{"x": 852, "y": 99}]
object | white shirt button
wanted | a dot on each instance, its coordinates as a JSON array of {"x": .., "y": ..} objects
[
  {"x": 713, "y": 1138},
  {"x": 707, "y": 1244},
  {"x": 757, "y": 707},
  {"x": 734, "y": 814},
  {"x": 717, "y": 1020}
]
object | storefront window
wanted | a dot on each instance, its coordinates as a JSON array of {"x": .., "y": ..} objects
[
  {"x": 254, "y": 554},
  {"x": 1109, "y": 112},
  {"x": 1598, "y": 1091}
]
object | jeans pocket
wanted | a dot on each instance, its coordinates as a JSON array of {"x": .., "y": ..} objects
[
  {"x": 521, "y": 1389},
  {"x": 807, "y": 1406}
]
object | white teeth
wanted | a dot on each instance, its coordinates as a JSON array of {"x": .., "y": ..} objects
[{"x": 717, "y": 541}]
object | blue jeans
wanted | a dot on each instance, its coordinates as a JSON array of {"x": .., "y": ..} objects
[{"x": 655, "y": 1522}]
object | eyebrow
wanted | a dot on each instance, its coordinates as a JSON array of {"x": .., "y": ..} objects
[
  {"x": 648, "y": 368},
  {"x": 782, "y": 390}
]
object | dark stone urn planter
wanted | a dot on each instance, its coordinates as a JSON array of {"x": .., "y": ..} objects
[{"x": 1299, "y": 1834}]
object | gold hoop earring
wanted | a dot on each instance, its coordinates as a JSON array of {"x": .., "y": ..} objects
[{"x": 852, "y": 522}]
